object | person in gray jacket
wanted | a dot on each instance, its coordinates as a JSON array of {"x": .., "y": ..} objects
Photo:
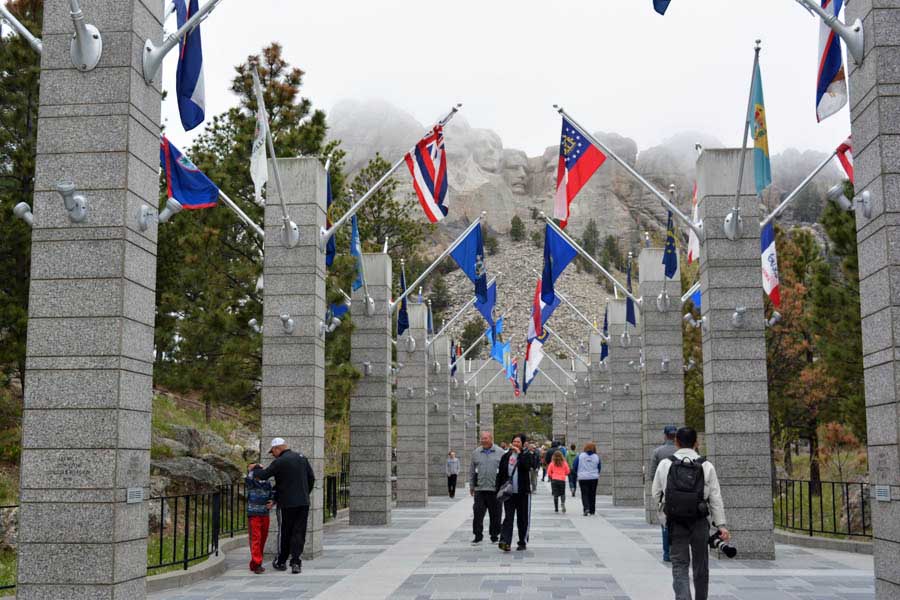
[
  {"x": 483, "y": 487},
  {"x": 661, "y": 453}
]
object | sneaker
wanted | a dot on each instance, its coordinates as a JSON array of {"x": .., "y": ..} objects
[
  {"x": 504, "y": 547},
  {"x": 564, "y": 508},
  {"x": 667, "y": 559},
  {"x": 296, "y": 568},
  {"x": 259, "y": 570},
  {"x": 279, "y": 566},
  {"x": 573, "y": 494},
  {"x": 520, "y": 547},
  {"x": 477, "y": 540}
]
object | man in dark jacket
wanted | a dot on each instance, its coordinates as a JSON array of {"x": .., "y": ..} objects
[
  {"x": 516, "y": 466},
  {"x": 294, "y": 479}
]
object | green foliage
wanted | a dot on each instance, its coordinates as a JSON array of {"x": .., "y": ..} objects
[
  {"x": 472, "y": 332},
  {"x": 694, "y": 411},
  {"x": 590, "y": 241},
  {"x": 19, "y": 77},
  {"x": 611, "y": 255},
  {"x": 490, "y": 242},
  {"x": 512, "y": 419},
  {"x": 440, "y": 298},
  {"x": 517, "y": 229},
  {"x": 537, "y": 239},
  {"x": 7, "y": 570},
  {"x": 10, "y": 426}
]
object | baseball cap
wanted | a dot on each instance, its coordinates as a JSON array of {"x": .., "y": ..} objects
[
  {"x": 668, "y": 430},
  {"x": 276, "y": 442}
]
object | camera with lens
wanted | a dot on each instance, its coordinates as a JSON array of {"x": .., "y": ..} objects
[{"x": 717, "y": 543}]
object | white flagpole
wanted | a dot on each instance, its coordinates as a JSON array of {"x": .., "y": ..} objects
[
  {"x": 697, "y": 227},
  {"x": 556, "y": 364},
  {"x": 326, "y": 234},
  {"x": 241, "y": 215},
  {"x": 461, "y": 311},
  {"x": 20, "y": 29},
  {"x": 153, "y": 54},
  {"x": 575, "y": 308},
  {"x": 566, "y": 346},
  {"x": 475, "y": 374},
  {"x": 550, "y": 379},
  {"x": 475, "y": 343},
  {"x": 491, "y": 380},
  {"x": 593, "y": 261},
  {"x": 737, "y": 195},
  {"x": 793, "y": 195},
  {"x": 690, "y": 292},
  {"x": 434, "y": 265}
]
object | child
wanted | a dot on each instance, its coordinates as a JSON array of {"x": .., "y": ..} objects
[
  {"x": 558, "y": 472},
  {"x": 260, "y": 498}
]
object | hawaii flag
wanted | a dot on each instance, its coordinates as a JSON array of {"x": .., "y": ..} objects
[
  {"x": 770, "y": 264},
  {"x": 427, "y": 164},
  {"x": 693, "y": 240},
  {"x": 845, "y": 156},
  {"x": 578, "y": 160},
  {"x": 831, "y": 83}
]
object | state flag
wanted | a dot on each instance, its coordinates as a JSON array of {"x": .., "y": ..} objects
[
  {"x": 831, "y": 80},
  {"x": 189, "y": 87},
  {"x": 558, "y": 253},
  {"x": 427, "y": 164},
  {"x": 469, "y": 255},
  {"x": 184, "y": 181},
  {"x": 693, "y": 239},
  {"x": 770, "y": 264},
  {"x": 578, "y": 160}
]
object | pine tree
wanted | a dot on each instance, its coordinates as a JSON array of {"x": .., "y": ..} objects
[{"x": 516, "y": 229}]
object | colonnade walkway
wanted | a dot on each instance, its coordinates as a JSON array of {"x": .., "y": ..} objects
[{"x": 426, "y": 555}]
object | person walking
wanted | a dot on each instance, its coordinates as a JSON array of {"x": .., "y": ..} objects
[
  {"x": 587, "y": 465},
  {"x": 483, "y": 488},
  {"x": 687, "y": 489},
  {"x": 661, "y": 453},
  {"x": 515, "y": 468},
  {"x": 294, "y": 482},
  {"x": 452, "y": 473},
  {"x": 545, "y": 459},
  {"x": 573, "y": 475},
  {"x": 558, "y": 472},
  {"x": 533, "y": 474},
  {"x": 260, "y": 498}
]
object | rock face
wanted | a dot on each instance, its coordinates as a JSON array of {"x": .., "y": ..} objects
[{"x": 188, "y": 475}]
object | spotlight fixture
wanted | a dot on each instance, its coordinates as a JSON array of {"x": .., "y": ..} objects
[
  {"x": 76, "y": 204},
  {"x": 23, "y": 211}
]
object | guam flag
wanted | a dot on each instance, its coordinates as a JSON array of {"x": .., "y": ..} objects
[
  {"x": 184, "y": 181},
  {"x": 189, "y": 86},
  {"x": 762, "y": 168},
  {"x": 578, "y": 160},
  {"x": 427, "y": 164},
  {"x": 770, "y": 264},
  {"x": 831, "y": 81}
]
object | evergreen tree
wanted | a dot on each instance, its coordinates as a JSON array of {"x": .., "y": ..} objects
[
  {"x": 472, "y": 332},
  {"x": 516, "y": 229},
  {"x": 590, "y": 241}
]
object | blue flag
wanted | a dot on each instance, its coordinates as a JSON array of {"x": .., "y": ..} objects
[
  {"x": 696, "y": 299},
  {"x": 486, "y": 308},
  {"x": 762, "y": 168},
  {"x": 469, "y": 255},
  {"x": 491, "y": 332},
  {"x": 184, "y": 181},
  {"x": 558, "y": 253},
  {"x": 430, "y": 321},
  {"x": 189, "y": 86},
  {"x": 356, "y": 250},
  {"x": 670, "y": 256},
  {"x": 330, "y": 247},
  {"x": 629, "y": 303},
  {"x": 403, "y": 315},
  {"x": 604, "y": 345},
  {"x": 661, "y": 6},
  {"x": 339, "y": 310},
  {"x": 452, "y": 358}
]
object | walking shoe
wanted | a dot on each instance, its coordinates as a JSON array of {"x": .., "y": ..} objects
[
  {"x": 296, "y": 568},
  {"x": 573, "y": 494},
  {"x": 504, "y": 547},
  {"x": 477, "y": 540},
  {"x": 279, "y": 566},
  {"x": 564, "y": 508},
  {"x": 259, "y": 570},
  {"x": 494, "y": 539},
  {"x": 585, "y": 513},
  {"x": 520, "y": 547},
  {"x": 555, "y": 510}
]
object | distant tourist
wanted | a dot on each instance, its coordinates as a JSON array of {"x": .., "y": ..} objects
[
  {"x": 294, "y": 480},
  {"x": 587, "y": 468},
  {"x": 661, "y": 453},
  {"x": 687, "y": 489},
  {"x": 504, "y": 446},
  {"x": 452, "y": 473},
  {"x": 513, "y": 484},
  {"x": 533, "y": 474},
  {"x": 545, "y": 459},
  {"x": 571, "y": 455},
  {"x": 260, "y": 498},
  {"x": 482, "y": 486},
  {"x": 558, "y": 472}
]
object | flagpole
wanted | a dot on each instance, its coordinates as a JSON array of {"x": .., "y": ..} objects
[
  {"x": 326, "y": 234},
  {"x": 693, "y": 289},
  {"x": 290, "y": 233},
  {"x": 475, "y": 374},
  {"x": 736, "y": 212},
  {"x": 556, "y": 364},
  {"x": 793, "y": 195},
  {"x": 567, "y": 346},
  {"x": 491, "y": 380},
  {"x": 242, "y": 215},
  {"x": 20, "y": 29},
  {"x": 447, "y": 324},
  {"x": 475, "y": 343},
  {"x": 434, "y": 265},
  {"x": 575, "y": 308},
  {"x": 550, "y": 379},
  {"x": 153, "y": 54},
  {"x": 593, "y": 261},
  {"x": 697, "y": 227}
]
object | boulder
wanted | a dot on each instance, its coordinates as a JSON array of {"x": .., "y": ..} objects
[
  {"x": 174, "y": 447},
  {"x": 158, "y": 510},
  {"x": 188, "y": 475},
  {"x": 223, "y": 465},
  {"x": 214, "y": 444},
  {"x": 9, "y": 528},
  {"x": 188, "y": 436}
]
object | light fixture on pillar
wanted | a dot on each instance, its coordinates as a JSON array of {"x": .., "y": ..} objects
[
  {"x": 663, "y": 302},
  {"x": 737, "y": 318},
  {"x": 23, "y": 211},
  {"x": 635, "y": 366},
  {"x": 774, "y": 320},
  {"x": 254, "y": 325},
  {"x": 646, "y": 239},
  {"x": 625, "y": 340},
  {"x": 287, "y": 323},
  {"x": 434, "y": 406},
  {"x": 734, "y": 224},
  {"x": 367, "y": 369},
  {"x": 409, "y": 392},
  {"x": 455, "y": 383},
  {"x": 410, "y": 344},
  {"x": 468, "y": 395},
  {"x": 87, "y": 45},
  {"x": 690, "y": 365},
  {"x": 436, "y": 367},
  {"x": 370, "y": 306},
  {"x": 836, "y": 194},
  {"x": 173, "y": 207},
  {"x": 851, "y": 34},
  {"x": 626, "y": 389},
  {"x": 145, "y": 217},
  {"x": 695, "y": 323},
  {"x": 76, "y": 204},
  {"x": 664, "y": 365}
]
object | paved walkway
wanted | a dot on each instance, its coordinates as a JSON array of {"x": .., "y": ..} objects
[{"x": 425, "y": 555}]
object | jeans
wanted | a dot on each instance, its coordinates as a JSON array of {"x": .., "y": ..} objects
[
  {"x": 292, "y": 535},
  {"x": 516, "y": 507},
  {"x": 689, "y": 546},
  {"x": 665, "y": 540},
  {"x": 486, "y": 502},
  {"x": 588, "y": 495}
]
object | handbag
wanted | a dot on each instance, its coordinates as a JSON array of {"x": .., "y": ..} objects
[{"x": 505, "y": 491}]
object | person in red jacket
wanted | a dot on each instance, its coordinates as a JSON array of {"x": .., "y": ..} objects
[{"x": 558, "y": 470}]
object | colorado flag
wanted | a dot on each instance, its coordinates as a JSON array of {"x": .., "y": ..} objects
[{"x": 770, "y": 264}]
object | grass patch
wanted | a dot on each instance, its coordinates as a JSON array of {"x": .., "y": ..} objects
[
  {"x": 7, "y": 571},
  {"x": 167, "y": 412}
]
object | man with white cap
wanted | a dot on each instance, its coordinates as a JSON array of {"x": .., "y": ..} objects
[{"x": 294, "y": 480}]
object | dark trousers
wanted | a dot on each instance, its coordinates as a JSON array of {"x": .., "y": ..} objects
[
  {"x": 515, "y": 507},
  {"x": 559, "y": 492},
  {"x": 688, "y": 546},
  {"x": 588, "y": 495},
  {"x": 451, "y": 485},
  {"x": 292, "y": 535},
  {"x": 486, "y": 502}
]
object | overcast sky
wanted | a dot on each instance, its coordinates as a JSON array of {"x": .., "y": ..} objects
[{"x": 615, "y": 65}]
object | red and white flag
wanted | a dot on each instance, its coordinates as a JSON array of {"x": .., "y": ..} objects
[
  {"x": 578, "y": 160},
  {"x": 845, "y": 155},
  {"x": 427, "y": 164},
  {"x": 693, "y": 240}
]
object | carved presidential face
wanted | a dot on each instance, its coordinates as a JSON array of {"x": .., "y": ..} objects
[
  {"x": 487, "y": 150},
  {"x": 515, "y": 170}
]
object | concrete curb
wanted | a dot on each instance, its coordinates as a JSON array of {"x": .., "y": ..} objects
[
  {"x": 211, "y": 567},
  {"x": 822, "y": 543}
]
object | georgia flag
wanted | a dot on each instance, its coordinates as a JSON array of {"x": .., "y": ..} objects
[{"x": 770, "y": 264}]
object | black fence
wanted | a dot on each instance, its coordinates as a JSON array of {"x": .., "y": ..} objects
[
  {"x": 337, "y": 489},
  {"x": 833, "y": 508}
]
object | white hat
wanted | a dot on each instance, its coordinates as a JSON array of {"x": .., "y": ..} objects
[{"x": 276, "y": 442}]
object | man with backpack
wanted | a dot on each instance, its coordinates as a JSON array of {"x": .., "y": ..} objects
[{"x": 688, "y": 492}]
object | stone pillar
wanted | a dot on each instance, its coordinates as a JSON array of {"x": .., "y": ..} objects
[
  {"x": 89, "y": 364},
  {"x": 459, "y": 442},
  {"x": 583, "y": 431},
  {"x": 662, "y": 395},
  {"x": 293, "y": 366},
  {"x": 412, "y": 413},
  {"x": 439, "y": 418},
  {"x": 625, "y": 380},
  {"x": 873, "y": 111},
  {"x": 601, "y": 416},
  {"x": 370, "y": 404},
  {"x": 734, "y": 358}
]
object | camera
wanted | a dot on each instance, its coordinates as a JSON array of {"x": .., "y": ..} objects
[{"x": 717, "y": 543}]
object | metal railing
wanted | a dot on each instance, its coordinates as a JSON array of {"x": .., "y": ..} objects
[
  {"x": 337, "y": 489},
  {"x": 834, "y": 509}
]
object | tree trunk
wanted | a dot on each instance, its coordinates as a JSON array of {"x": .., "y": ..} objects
[{"x": 815, "y": 475}]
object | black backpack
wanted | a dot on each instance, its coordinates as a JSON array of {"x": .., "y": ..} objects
[{"x": 683, "y": 498}]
